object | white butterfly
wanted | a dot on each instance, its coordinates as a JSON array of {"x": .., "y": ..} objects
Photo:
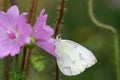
[{"x": 72, "y": 58}]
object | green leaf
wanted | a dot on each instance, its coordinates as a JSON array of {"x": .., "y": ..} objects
[{"x": 38, "y": 62}]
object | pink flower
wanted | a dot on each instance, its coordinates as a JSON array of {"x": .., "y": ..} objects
[
  {"x": 43, "y": 33},
  {"x": 14, "y": 31}
]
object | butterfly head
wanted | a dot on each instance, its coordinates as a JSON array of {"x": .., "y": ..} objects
[{"x": 58, "y": 39}]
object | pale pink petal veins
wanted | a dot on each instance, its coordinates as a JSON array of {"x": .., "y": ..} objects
[
  {"x": 41, "y": 30},
  {"x": 13, "y": 11},
  {"x": 4, "y": 52},
  {"x": 43, "y": 33},
  {"x": 14, "y": 31},
  {"x": 24, "y": 29},
  {"x": 47, "y": 45},
  {"x": 42, "y": 12},
  {"x": 40, "y": 23},
  {"x": 7, "y": 21},
  {"x": 5, "y": 48},
  {"x": 22, "y": 26},
  {"x": 15, "y": 49}
]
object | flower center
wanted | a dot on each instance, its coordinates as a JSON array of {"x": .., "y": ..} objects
[{"x": 11, "y": 34}]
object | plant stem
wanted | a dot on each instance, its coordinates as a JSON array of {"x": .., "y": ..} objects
[
  {"x": 59, "y": 20},
  {"x": 8, "y": 60},
  {"x": 16, "y": 62},
  {"x": 32, "y": 11},
  {"x": 108, "y": 27},
  {"x": 31, "y": 18},
  {"x": 117, "y": 56},
  {"x": 25, "y": 57},
  {"x": 23, "y": 60},
  {"x": 28, "y": 62},
  {"x": 57, "y": 29},
  {"x": 57, "y": 72},
  {"x": 1, "y": 4},
  {"x": 116, "y": 37},
  {"x": 14, "y": 2}
]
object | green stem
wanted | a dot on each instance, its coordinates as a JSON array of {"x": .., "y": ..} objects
[
  {"x": 95, "y": 21},
  {"x": 5, "y": 5},
  {"x": 13, "y": 2},
  {"x": 8, "y": 62},
  {"x": 31, "y": 18},
  {"x": 116, "y": 37},
  {"x": 25, "y": 57},
  {"x": 117, "y": 56},
  {"x": 32, "y": 11},
  {"x": 28, "y": 62},
  {"x": 16, "y": 62},
  {"x": 23, "y": 60},
  {"x": 1, "y": 4}
]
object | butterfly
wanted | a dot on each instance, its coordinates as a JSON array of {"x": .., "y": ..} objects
[{"x": 72, "y": 58}]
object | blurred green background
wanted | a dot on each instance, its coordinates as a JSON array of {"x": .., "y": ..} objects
[{"x": 78, "y": 26}]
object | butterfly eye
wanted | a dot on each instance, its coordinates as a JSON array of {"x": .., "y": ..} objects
[{"x": 58, "y": 37}]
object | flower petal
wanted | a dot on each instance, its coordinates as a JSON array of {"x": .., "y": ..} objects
[
  {"x": 4, "y": 53},
  {"x": 44, "y": 34},
  {"x": 7, "y": 21},
  {"x": 42, "y": 12},
  {"x": 47, "y": 45},
  {"x": 13, "y": 11},
  {"x": 41, "y": 30},
  {"x": 5, "y": 48},
  {"x": 41, "y": 21},
  {"x": 16, "y": 23},
  {"x": 15, "y": 49},
  {"x": 22, "y": 26}
]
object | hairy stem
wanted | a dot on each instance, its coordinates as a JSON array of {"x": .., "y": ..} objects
[
  {"x": 8, "y": 61},
  {"x": 59, "y": 20},
  {"x": 57, "y": 29},
  {"x": 28, "y": 62},
  {"x": 1, "y": 4},
  {"x": 23, "y": 60},
  {"x": 57, "y": 72},
  {"x": 32, "y": 11},
  {"x": 13, "y": 2},
  {"x": 116, "y": 37},
  {"x": 31, "y": 18}
]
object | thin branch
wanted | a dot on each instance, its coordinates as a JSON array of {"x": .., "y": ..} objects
[
  {"x": 116, "y": 37},
  {"x": 32, "y": 11},
  {"x": 8, "y": 60},
  {"x": 117, "y": 56},
  {"x": 108, "y": 27},
  {"x": 57, "y": 72},
  {"x": 59, "y": 20},
  {"x": 57, "y": 29},
  {"x": 28, "y": 62},
  {"x": 1, "y": 4},
  {"x": 13, "y": 2},
  {"x": 23, "y": 59},
  {"x": 31, "y": 18}
]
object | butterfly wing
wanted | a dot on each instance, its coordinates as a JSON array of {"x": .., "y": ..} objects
[{"x": 73, "y": 58}]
